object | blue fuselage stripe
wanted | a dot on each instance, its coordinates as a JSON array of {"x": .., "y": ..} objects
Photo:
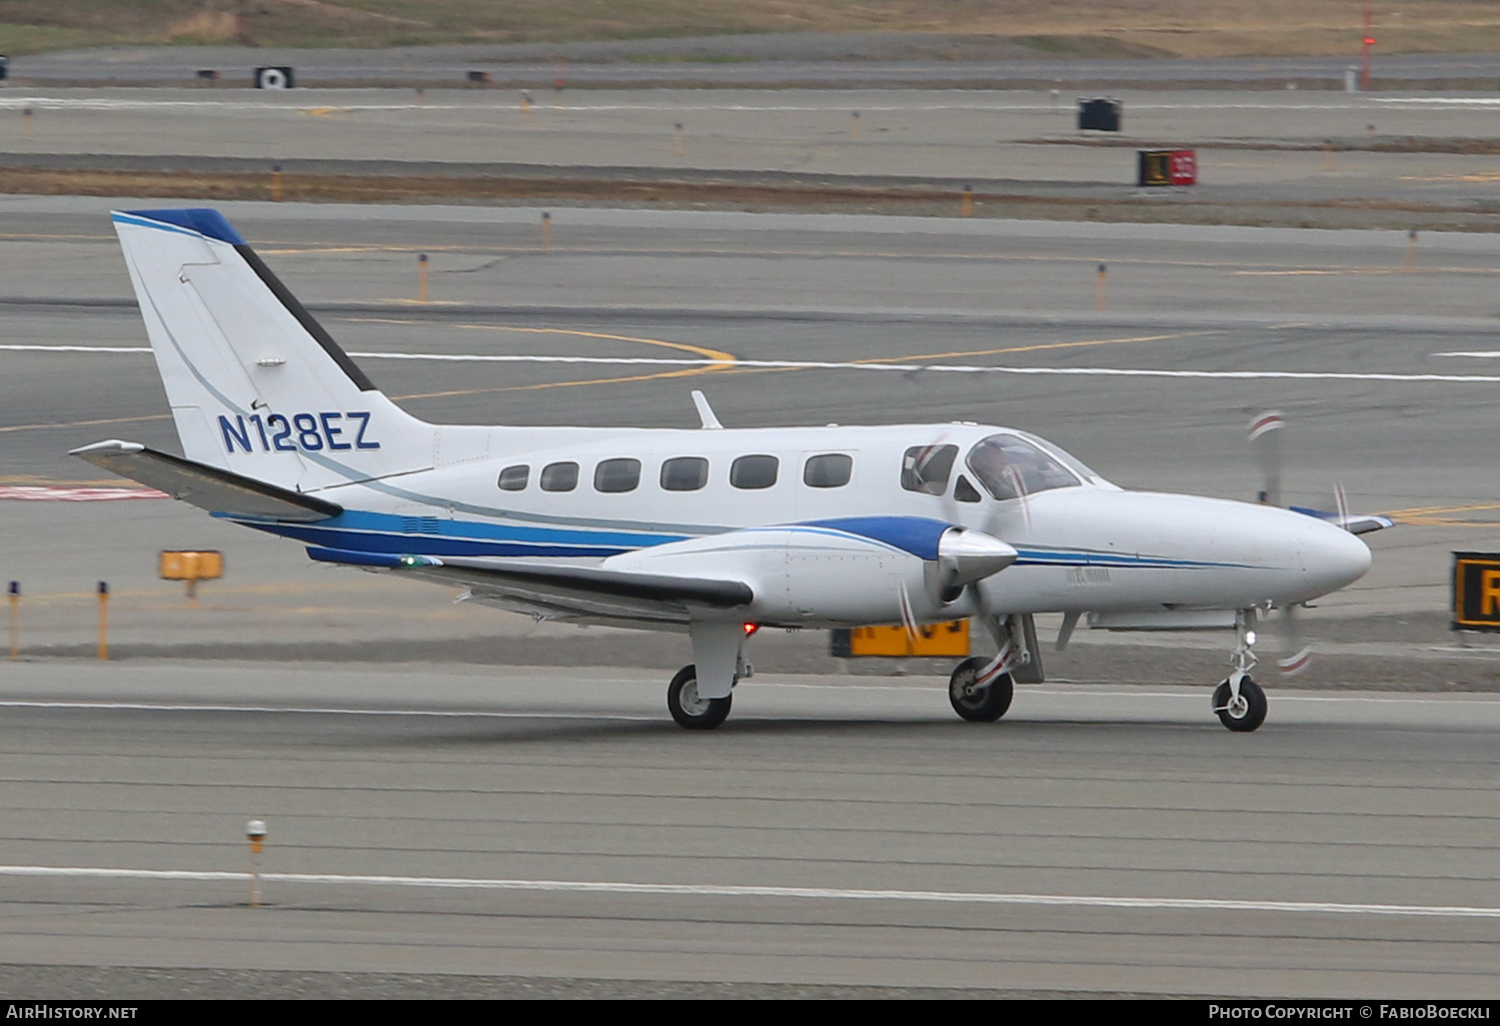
[
  {"x": 433, "y": 544},
  {"x": 359, "y": 531}
]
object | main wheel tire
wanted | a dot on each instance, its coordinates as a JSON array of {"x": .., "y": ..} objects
[
  {"x": 1248, "y": 714},
  {"x": 985, "y": 705},
  {"x": 688, "y": 709}
]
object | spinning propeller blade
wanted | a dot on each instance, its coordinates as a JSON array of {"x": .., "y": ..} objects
[
  {"x": 1265, "y": 442},
  {"x": 1299, "y": 652},
  {"x": 908, "y": 618},
  {"x": 1265, "y": 433}
]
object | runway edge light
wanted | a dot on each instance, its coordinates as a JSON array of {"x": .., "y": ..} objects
[
  {"x": 15, "y": 620},
  {"x": 103, "y": 621},
  {"x": 256, "y": 831}
]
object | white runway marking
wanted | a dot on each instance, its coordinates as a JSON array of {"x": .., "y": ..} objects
[
  {"x": 12, "y": 347},
  {"x": 747, "y": 891},
  {"x": 1188, "y": 694},
  {"x": 1441, "y": 101},
  {"x": 505, "y": 105},
  {"x": 902, "y": 368},
  {"x": 1477, "y": 354},
  {"x": 322, "y": 711},
  {"x": 52, "y": 493}
]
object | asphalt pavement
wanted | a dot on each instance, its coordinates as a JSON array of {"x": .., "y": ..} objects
[{"x": 479, "y": 826}]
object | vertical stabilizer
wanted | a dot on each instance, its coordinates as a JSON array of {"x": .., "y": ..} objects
[{"x": 255, "y": 383}]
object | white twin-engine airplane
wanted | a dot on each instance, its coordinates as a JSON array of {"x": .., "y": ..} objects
[{"x": 718, "y": 531}]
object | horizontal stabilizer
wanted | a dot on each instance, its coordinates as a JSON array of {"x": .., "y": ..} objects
[
  {"x": 569, "y": 590},
  {"x": 218, "y": 491}
]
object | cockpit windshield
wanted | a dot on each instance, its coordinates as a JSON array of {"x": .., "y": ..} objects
[
  {"x": 1070, "y": 461},
  {"x": 1009, "y": 466}
]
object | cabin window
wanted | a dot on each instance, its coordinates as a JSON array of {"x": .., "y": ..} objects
[
  {"x": 559, "y": 477},
  {"x": 925, "y": 468},
  {"x": 684, "y": 474},
  {"x": 513, "y": 479},
  {"x": 754, "y": 471},
  {"x": 830, "y": 470},
  {"x": 1010, "y": 467},
  {"x": 621, "y": 475},
  {"x": 965, "y": 492}
]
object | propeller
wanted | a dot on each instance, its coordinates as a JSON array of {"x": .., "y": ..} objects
[
  {"x": 1265, "y": 434},
  {"x": 967, "y": 557},
  {"x": 964, "y": 556}
]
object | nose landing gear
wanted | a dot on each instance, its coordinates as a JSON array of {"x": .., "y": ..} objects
[{"x": 1239, "y": 701}]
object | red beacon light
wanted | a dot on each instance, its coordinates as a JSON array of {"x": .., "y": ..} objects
[{"x": 751, "y": 628}]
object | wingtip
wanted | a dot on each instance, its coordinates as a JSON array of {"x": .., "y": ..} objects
[{"x": 107, "y": 447}]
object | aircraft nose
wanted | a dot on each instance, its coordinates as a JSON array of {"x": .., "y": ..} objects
[{"x": 1332, "y": 558}]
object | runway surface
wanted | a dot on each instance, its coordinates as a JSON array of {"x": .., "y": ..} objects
[
  {"x": 852, "y": 833},
  {"x": 554, "y": 823},
  {"x": 1265, "y": 147}
]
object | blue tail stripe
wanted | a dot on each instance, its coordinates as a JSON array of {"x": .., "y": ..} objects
[{"x": 197, "y": 220}]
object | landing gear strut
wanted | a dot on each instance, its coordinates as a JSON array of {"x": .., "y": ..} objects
[{"x": 1239, "y": 701}]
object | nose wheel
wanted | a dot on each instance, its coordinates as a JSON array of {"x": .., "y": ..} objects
[
  {"x": 1242, "y": 712},
  {"x": 1239, "y": 701}
]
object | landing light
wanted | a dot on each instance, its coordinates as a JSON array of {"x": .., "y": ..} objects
[{"x": 1249, "y": 637}]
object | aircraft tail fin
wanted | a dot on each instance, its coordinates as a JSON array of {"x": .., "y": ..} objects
[{"x": 256, "y": 385}]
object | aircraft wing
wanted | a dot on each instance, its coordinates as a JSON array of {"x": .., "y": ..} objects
[
  {"x": 209, "y": 488},
  {"x": 565, "y": 592}
]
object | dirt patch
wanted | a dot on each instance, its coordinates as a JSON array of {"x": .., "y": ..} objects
[{"x": 770, "y": 29}]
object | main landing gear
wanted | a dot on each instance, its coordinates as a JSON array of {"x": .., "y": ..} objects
[
  {"x": 980, "y": 689},
  {"x": 1239, "y": 701},
  {"x": 690, "y": 710},
  {"x": 976, "y": 701},
  {"x": 700, "y": 695}
]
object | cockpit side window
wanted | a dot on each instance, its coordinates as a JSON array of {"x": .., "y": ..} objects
[
  {"x": 925, "y": 468},
  {"x": 1010, "y": 467}
]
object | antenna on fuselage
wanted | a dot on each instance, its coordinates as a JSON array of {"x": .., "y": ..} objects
[{"x": 706, "y": 412}]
